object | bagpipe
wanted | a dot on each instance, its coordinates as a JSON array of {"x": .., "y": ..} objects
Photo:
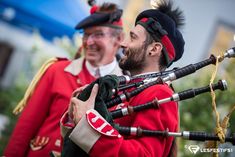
[
  {"x": 190, "y": 93},
  {"x": 188, "y": 135},
  {"x": 114, "y": 90},
  {"x": 150, "y": 80}
]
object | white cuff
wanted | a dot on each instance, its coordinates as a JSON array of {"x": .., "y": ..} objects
[{"x": 84, "y": 135}]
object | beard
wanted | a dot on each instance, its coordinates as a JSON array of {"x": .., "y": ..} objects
[{"x": 134, "y": 59}]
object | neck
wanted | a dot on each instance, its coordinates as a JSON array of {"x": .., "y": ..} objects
[
  {"x": 97, "y": 65},
  {"x": 103, "y": 70}
]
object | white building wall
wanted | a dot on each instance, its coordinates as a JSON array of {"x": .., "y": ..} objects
[
  {"x": 201, "y": 19},
  {"x": 23, "y": 43}
]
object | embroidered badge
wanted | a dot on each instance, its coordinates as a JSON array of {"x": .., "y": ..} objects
[
  {"x": 78, "y": 81},
  {"x": 97, "y": 122},
  {"x": 57, "y": 143},
  {"x": 56, "y": 154},
  {"x": 38, "y": 142}
]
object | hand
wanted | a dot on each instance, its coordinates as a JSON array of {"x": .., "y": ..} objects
[
  {"x": 75, "y": 94},
  {"x": 80, "y": 107}
]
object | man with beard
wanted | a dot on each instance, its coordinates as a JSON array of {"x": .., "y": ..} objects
[
  {"x": 152, "y": 45},
  {"x": 37, "y": 132}
]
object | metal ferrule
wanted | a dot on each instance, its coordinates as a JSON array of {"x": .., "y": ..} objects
[
  {"x": 225, "y": 85},
  {"x": 133, "y": 131},
  {"x": 125, "y": 111},
  {"x": 230, "y": 53},
  {"x": 128, "y": 79},
  {"x": 123, "y": 97},
  {"x": 175, "y": 134},
  {"x": 165, "y": 79},
  {"x": 186, "y": 134},
  {"x": 172, "y": 76},
  {"x": 164, "y": 100},
  {"x": 176, "y": 97},
  {"x": 148, "y": 80}
]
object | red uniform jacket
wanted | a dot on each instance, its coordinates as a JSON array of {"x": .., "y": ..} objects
[
  {"x": 37, "y": 131},
  {"x": 100, "y": 139}
]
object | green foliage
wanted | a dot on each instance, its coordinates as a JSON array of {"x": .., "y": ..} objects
[{"x": 8, "y": 100}]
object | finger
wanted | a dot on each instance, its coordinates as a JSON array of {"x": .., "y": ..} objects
[
  {"x": 93, "y": 94},
  {"x": 79, "y": 90},
  {"x": 70, "y": 109},
  {"x": 74, "y": 101},
  {"x": 83, "y": 87},
  {"x": 74, "y": 113},
  {"x": 76, "y": 92},
  {"x": 75, "y": 110},
  {"x": 71, "y": 103}
]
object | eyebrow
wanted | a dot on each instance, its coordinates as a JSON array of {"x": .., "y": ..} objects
[{"x": 132, "y": 34}]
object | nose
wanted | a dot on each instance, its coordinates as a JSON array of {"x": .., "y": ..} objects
[
  {"x": 124, "y": 43},
  {"x": 89, "y": 40}
]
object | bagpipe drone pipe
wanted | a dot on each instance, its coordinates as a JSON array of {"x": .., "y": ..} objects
[
  {"x": 183, "y": 95},
  {"x": 171, "y": 76},
  {"x": 156, "y": 104},
  {"x": 188, "y": 135}
]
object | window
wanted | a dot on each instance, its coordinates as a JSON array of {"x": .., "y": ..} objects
[{"x": 6, "y": 51}]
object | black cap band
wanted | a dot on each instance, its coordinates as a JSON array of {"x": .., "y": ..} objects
[{"x": 101, "y": 18}]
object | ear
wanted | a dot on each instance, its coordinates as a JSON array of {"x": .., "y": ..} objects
[
  {"x": 155, "y": 49},
  {"x": 120, "y": 38}
]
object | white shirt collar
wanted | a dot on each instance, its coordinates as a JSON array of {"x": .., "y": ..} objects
[
  {"x": 75, "y": 66},
  {"x": 104, "y": 70}
]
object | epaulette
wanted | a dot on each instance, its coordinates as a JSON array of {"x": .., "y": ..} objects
[{"x": 20, "y": 106}]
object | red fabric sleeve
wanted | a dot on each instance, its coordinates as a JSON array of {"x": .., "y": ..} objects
[
  {"x": 66, "y": 121},
  {"x": 31, "y": 118},
  {"x": 154, "y": 119}
]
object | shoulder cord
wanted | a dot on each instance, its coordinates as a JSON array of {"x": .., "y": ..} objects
[{"x": 20, "y": 106}]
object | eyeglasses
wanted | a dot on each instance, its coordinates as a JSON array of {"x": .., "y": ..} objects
[{"x": 95, "y": 35}]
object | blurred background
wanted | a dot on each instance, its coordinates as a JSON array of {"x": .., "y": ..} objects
[{"x": 32, "y": 31}]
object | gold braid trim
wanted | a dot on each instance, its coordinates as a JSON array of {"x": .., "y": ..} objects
[
  {"x": 20, "y": 106},
  {"x": 218, "y": 130},
  {"x": 225, "y": 121},
  {"x": 221, "y": 127},
  {"x": 224, "y": 125}
]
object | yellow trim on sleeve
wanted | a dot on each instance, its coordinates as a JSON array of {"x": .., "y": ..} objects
[{"x": 20, "y": 106}]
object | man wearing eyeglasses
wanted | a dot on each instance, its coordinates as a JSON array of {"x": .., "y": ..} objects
[
  {"x": 37, "y": 131},
  {"x": 101, "y": 40}
]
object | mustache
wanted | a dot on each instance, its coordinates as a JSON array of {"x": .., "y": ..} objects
[
  {"x": 123, "y": 51},
  {"x": 120, "y": 53},
  {"x": 128, "y": 51}
]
